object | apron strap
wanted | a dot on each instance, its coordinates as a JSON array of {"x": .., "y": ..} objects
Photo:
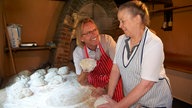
[
  {"x": 86, "y": 52},
  {"x": 143, "y": 45}
]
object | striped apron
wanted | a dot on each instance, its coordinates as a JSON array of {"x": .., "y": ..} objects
[
  {"x": 159, "y": 95},
  {"x": 99, "y": 77}
]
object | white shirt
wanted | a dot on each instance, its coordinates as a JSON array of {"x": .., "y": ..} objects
[
  {"x": 151, "y": 57},
  {"x": 108, "y": 45}
]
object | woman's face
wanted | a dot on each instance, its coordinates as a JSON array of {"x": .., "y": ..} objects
[
  {"x": 127, "y": 22},
  {"x": 90, "y": 35}
]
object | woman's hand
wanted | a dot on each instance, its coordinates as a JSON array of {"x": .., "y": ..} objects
[
  {"x": 111, "y": 103},
  {"x": 98, "y": 92}
]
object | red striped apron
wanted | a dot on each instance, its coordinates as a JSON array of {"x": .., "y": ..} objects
[{"x": 99, "y": 77}]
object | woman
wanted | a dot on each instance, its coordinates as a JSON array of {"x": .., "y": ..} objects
[
  {"x": 139, "y": 61},
  {"x": 100, "y": 47}
]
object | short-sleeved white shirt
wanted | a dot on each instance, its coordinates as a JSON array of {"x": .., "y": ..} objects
[
  {"x": 107, "y": 43},
  {"x": 153, "y": 57}
]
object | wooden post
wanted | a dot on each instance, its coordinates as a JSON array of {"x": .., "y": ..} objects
[{"x": 8, "y": 41}]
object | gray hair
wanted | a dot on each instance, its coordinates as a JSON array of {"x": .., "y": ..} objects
[{"x": 137, "y": 8}]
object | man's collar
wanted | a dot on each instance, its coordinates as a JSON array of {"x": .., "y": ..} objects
[{"x": 89, "y": 50}]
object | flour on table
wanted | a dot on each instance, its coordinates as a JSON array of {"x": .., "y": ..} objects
[{"x": 48, "y": 89}]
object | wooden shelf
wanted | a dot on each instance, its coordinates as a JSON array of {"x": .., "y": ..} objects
[
  {"x": 178, "y": 62},
  {"x": 187, "y": 68},
  {"x": 31, "y": 48}
]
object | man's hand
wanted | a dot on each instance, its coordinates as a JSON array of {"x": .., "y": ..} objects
[
  {"x": 82, "y": 78},
  {"x": 98, "y": 92}
]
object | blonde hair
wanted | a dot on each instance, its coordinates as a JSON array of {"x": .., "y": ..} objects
[{"x": 79, "y": 30}]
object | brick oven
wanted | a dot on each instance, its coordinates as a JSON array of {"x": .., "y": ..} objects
[{"x": 103, "y": 12}]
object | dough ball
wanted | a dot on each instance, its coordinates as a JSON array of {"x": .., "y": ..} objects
[
  {"x": 101, "y": 100},
  {"x": 63, "y": 70},
  {"x": 52, "y": 70},
  {"x": 35, "y": 75},
  {"x": 50, "y": 75},
  {"x": 88, "y": 64},
  {"x": 41, "y": 71},
  {"x": 27, "y": 92},
  {"x": 57, "y": 79},
  {"x": 38, "y": 82},
  {"x": 24, "y": 73}
]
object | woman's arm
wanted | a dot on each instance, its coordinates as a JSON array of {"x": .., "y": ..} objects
[
  {"x": 140, "y": 90},
  {"x": 113, "y": 80}
]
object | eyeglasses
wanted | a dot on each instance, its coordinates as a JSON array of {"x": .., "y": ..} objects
[{"x": 90, "y": 32}]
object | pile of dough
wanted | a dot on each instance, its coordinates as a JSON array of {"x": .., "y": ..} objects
[
  {"x": 52, "y": 88},
  {"x": 101, "y": 100},
  {"x": 88, "y": 64},
  {"x": 19, "y": 90}
]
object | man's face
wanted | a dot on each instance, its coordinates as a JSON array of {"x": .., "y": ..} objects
[{"x": 90, "y": 35}]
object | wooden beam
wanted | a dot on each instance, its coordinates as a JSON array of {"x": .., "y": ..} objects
[
  {"x": 170, "y": 8},
  {"x": 8, "y": 40}
]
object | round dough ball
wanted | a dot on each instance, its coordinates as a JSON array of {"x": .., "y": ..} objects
[
  {"x": 57, "y": 79},
  {"x": 41, "y": 71},
  {"x": 88, "y": 64},
  {"x": 101, "y": 100},
  {"x": 63, "y": 70},
  {"x": 27, "y": 92},
  {"x": 52, "y": 70},
  {"x": 38, "y": 82},
  {"x": 35, "y": 75},
  {"x": 50, "y": 75}
]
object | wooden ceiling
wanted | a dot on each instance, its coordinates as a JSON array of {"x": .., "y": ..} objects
[{"x": 119, "y": 2}]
